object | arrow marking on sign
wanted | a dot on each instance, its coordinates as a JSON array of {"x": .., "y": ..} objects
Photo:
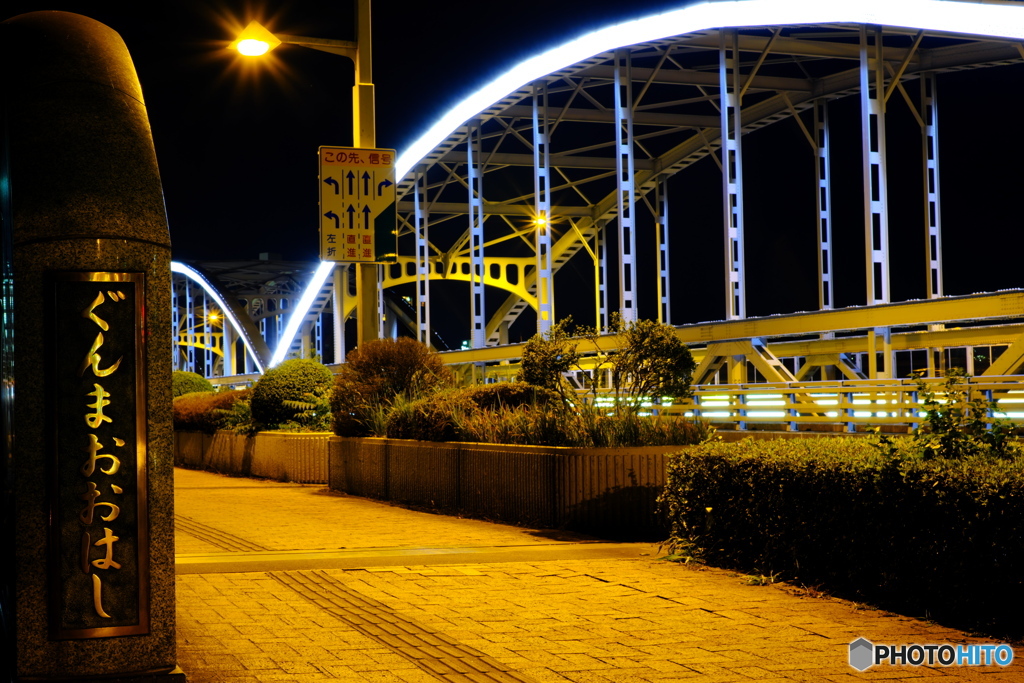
[
  {"x": 332, "y": 181},
  {"x": 351, "y": 177},
  {"x": 366, "y": 217},
  {"x": 366, "y": 184},
  {"x": 382, "y": 185},
  {"x": 335, "y": 218},
  {"x": 351, "y": 217}
]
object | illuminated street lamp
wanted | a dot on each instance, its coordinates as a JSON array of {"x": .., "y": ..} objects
[{"x": 256, "y": 40}]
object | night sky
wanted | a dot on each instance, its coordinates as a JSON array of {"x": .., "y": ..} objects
[{"x": 237, "y": 146}]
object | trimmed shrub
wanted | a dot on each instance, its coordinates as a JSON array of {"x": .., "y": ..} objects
[
  {"x": 518, "y": 413},
  {"x": 293, "y": 380},
  {"x": 445, "y": 416},
  {"x": 929, "y": 536},
  {"x": 204, "y": 411},
  {"x": 184, "y": 382},
  {"x": 375, "y": 374}
]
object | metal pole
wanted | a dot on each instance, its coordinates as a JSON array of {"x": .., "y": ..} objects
[{"x": 364, "y": 135}]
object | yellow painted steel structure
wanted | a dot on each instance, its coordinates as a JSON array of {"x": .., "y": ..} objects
[
  {"x": 590, "y": 144},
  {"x": 980, "y": 320}
]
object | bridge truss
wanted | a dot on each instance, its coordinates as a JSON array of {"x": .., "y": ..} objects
[{"x": 560, "y": 172}]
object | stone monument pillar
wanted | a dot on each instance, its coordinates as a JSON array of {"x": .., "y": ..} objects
[{"x": 89, "y": 536}]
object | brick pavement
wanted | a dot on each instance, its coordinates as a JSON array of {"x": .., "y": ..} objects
[{"x": 556, "y": 620}]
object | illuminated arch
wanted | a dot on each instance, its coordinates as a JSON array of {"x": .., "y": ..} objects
[
  {"x": 936, "y": 15},
  {"x": 242, "y": 326}
]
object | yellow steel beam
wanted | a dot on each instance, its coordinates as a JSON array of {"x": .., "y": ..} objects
[{"x": 975, "y": 307}]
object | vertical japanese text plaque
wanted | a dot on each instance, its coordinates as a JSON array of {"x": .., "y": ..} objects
[{"x": 99, "y": 545}]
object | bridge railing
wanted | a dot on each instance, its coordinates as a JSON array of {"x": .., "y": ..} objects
[{"x": 854, "y": 404}]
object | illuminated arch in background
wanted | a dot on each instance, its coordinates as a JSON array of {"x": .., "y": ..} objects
[{"x": 241, "y": 326}]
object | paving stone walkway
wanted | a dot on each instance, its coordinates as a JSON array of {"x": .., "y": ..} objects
[{"x": 281, "y": 582}]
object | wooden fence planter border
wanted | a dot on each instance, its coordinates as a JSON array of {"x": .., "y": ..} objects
[
  {"x": 610, "y": 491},
  {"x": 284, "y": 456}
]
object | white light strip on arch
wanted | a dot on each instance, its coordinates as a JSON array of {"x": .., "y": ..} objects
[
  {"x": 299, "y": 312},
  {"x": 196, "y": 276},
  {"x": 967, "y": 18}
]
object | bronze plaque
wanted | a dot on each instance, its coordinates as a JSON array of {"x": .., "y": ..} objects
[{"x": 99, "y": 545}]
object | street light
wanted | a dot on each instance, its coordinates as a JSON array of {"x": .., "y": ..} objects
[{"x": 256, "y": 40}]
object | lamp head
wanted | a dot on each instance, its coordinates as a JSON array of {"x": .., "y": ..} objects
[{"x": 255, "y": 40}]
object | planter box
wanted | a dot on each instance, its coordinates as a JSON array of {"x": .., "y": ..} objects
[
  {"x": 604, "y": 491},
  {"x": 284, "y": 456}
]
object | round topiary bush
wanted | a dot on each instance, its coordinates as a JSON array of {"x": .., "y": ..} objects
[
  {"x": 184, "y": 382},
  {"x": 292, "y": 380}
]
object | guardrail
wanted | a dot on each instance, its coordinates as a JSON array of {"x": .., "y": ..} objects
[{"x": 853, "y": 404}]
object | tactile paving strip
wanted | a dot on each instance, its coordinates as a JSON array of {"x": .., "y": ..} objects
[
  {"x": 435, "y": 653},
  {"x": 213, "y": 536}
]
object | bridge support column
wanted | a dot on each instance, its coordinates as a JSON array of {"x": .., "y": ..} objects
[
  {"x": 542, "y": 208},
  {"x": 876, "y": 217},
  {"x": 625, "y": 184},
  {"x": 190, "y": 327},
  {"x": 207, "y": 339},
  {"x": 422, "y": 257},
  {"x": 340, "y": 281},
  {"x": 732, "y": 173},
  {"x": 664, "y": 290},
  {"x": 602, "y": 276},
  {"x": 476, "y": 236},
  {"x": 886, "y": 371},
  {"x": 227, "y": 347},
  {"x": 932, "y": 215},
  {"x": 824, "y": 203}
]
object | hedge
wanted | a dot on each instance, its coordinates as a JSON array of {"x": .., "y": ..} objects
[{"x": 934, "y": 537}]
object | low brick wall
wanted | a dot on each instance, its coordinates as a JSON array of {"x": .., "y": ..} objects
[
  {"x": 284, "y": 456},
  {"x": 605, "y": 491}
]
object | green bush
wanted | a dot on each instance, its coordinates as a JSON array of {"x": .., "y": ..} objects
[
  {"x": 184, "y": 382},
  {"x": 292, "y": 381},
  {"x": 929, "y": 536},
  {"x": 444, "y": 416},
  {"x": 958, "y": 423},
  {"x": 375, "y": 375},
  {"x": 204, "y": 411}
]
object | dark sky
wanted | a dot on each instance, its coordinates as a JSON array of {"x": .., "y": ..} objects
[{"x": 238, "y": 147}]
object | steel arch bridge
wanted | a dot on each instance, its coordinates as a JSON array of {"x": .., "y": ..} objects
[{"x": 564, "y": 164}]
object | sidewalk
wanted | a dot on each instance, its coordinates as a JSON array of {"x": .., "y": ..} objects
[{"x": 282, "y": 582}]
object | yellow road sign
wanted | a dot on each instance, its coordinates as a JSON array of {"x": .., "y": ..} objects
[{"x": 358, "y": 221}]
